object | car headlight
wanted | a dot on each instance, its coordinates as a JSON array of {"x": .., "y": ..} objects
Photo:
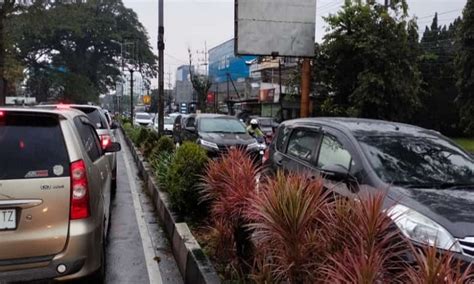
[
  {"x": 208, "y": 144},
  {"x": 254, "y": 145},
  {"x": 422, "y": 229}
]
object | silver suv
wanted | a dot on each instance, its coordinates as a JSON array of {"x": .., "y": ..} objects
[{"x": 55, "y": 188}]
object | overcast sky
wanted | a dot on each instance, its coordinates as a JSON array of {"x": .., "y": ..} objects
[{"x": 192, "y": 23}]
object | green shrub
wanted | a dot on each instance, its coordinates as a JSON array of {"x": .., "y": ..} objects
[
  {"x": 142, "y": 136},
  {"x": 150, "y": 143},
  {"x": 185, "y": 170},
  {"x": 161, "y": 166},
  {"x": 165, "y": 144}
]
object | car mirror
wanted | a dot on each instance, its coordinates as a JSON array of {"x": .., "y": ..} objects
[
  {"x": 114, "y": 125},
  {"x": 191, "y": 129},
  {"x": 336, "y": 171},
  {"x": 113, "y": 147}
]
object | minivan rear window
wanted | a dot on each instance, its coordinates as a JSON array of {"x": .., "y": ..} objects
[{"x": 31, "y": 146}]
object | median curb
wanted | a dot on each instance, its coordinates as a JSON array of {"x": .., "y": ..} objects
[{"x": 194, "y": 265}]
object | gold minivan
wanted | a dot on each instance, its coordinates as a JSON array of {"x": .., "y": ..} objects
[{"x": 55, "y": 188}]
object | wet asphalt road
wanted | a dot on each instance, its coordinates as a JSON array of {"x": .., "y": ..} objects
[{"x": 137, "y": 250}]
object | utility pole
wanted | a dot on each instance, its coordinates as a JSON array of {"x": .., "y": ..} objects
[
  {"x": 131, "y": 93},
  {"x": 305, "y": 87},
  {"x": 280, "y": 98},
  {"x": 161, "y": 77},
  {"x": 3, "y": 11}
]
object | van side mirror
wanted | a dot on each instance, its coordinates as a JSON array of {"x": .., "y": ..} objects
[
  {"x": 336, "y": 172},
  {"x": 113, "y": 147},
  {"x": 114, "y": 125}
]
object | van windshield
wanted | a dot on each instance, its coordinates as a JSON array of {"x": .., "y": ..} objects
[{"x": 31, "y": 146}]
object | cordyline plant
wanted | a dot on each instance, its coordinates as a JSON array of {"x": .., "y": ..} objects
[
  {"x": 287, "y": 219},
  {"x": 229, "y": 185},
  {"x": 365, "y": 245},
  {"x": 433, "y": 268}
]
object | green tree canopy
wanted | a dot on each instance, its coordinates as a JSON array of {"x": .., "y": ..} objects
[
  {"x": 437, "y": 53},
  {"x": 369, "y": 65},
  {"x": 465, "y": 68},
  {"x": 77, "y": 47}
]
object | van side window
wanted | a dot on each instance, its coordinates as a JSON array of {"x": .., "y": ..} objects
[
  {"x": 282, "y": 137},
  {"x": 89, "y": 139},
  {"x": 190, "y": 122},
  {"x": 333, "y": 153},
  {"x": 302, "y": 144}
]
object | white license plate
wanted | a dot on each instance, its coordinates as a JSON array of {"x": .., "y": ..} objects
[{"x": 7, "y": 219}]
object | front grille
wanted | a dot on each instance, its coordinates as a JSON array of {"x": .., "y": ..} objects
[
  {"x": 467, "y": 246},
  {"x": 226, "y": 148}
]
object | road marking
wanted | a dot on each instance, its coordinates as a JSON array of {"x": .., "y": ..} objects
[{"x": 152, "y": 266}]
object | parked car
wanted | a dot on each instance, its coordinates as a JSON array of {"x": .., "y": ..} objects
[
  {"x": 55, "y": 185},
  {"x": 104, "y": 129},
  {"x": 217, "y": 133},
  {"x": 143, "y": 119},
  {"x": 168, "y": 125},
  {"x": 426, "y": 177}
]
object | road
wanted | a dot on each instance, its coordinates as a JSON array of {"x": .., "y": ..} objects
[{"x": 137, "y": 250}]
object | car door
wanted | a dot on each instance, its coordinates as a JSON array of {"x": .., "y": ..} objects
[
  {"x": 98, "y": 169},
  {"x": 299, "y": 153},
  {"x": 190, "y": 123},
  {"x": 336, "y": 152}
]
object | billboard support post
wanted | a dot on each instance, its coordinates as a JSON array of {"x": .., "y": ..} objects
[{"x": 305, "y": 87}]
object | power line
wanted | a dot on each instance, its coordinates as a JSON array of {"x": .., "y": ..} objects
[{"x": 439, "y": 14}]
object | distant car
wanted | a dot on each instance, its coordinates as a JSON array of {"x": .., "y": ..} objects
[
  {"x": 143, "y": 119},
  {"x": 55, "y": 189},
  {"x": 217, "y": 134},
  {"x": 426, "y": 177},
  {"x": 104, "y": 129},
  {"x": 168, "y": 125}
]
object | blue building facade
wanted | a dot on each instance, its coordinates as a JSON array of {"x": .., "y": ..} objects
[{"x": 223, "y": 63}]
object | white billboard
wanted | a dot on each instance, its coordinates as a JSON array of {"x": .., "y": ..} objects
[{"x": 275, "y": 27}]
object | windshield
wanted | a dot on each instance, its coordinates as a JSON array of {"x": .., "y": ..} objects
[
  {"x": 221, "y": 125},
  {"x": 418, "y": 161},
  {"x": 169, "y": 120},
  {"x": 143, "y": 116}
]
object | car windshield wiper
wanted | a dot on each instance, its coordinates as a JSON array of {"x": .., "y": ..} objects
[
  {"x": 456, "y": 185},
  {"x": 447, "y": 185}
]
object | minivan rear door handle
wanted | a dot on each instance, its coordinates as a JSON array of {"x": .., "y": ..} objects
[{"x": 22, "y": 203}]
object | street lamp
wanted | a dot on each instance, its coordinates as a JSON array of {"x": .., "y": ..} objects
[{"x": 2, "y": 54}]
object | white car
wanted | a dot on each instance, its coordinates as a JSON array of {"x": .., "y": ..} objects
[
  {"x": 168, "y": 125},
  {"x": 143, "y": 119}
]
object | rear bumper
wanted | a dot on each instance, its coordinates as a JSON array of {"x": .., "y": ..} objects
[{"x": 81, "y": 257}]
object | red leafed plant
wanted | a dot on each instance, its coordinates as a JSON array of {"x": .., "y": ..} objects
[
  {"x": 433, "y": 268},
  {"x": 287, "y": 218},
  {"x": 230, "y": 182},
  {"x": 366, "y": 247}
]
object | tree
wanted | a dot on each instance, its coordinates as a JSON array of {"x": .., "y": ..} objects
[
  {"x": 370, "y": 70},
  {"x": 465, "y": 68},
  {"x": 79, "y": 45},
  {"x": 201, "y": 84},
  {"x": 438, "y": 49}
]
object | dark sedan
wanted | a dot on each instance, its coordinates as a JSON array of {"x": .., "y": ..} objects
[
  {"x": 428, "y": 179},
  {"x": 217, "y": 133}
]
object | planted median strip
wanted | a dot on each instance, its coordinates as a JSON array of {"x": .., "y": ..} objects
[{"x": 282, "y": 228}]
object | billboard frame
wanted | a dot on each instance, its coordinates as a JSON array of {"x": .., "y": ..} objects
[{"x": 236, "y": 39}]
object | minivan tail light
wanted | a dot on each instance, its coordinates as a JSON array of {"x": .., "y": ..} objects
[
  {"x": 105, "y": 141},
  {"x": 2, "y": 113},
  {"x": 80, "y": 208}
]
